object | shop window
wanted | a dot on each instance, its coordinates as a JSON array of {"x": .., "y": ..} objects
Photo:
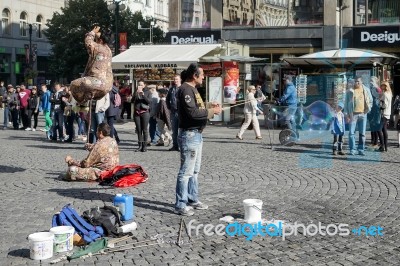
[
  {"x": 5, "y": 22},
  {"x": 360, "y": 12},
  {"x": 383, "y": 11},
  {"x": 23, "y": 24},
  {"x": 39, "y": 25},
  {"x": 195, "y": 14},
  {"x": 309, "y": 12}
]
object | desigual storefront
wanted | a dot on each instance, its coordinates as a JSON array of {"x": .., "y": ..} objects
[{"x": 383, "y": 39}]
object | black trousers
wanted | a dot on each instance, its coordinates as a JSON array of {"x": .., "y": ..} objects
[
  {"x": 142, "y": 126},
  {"x": 337, "y": 145},
  {"x": 58, "y": 124},
  {"x": 110, "y": 122},
  {"x": 126, "y": 106},
  {"x": 35, "y": 118}
]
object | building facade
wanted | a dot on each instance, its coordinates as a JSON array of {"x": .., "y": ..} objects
[
  {"x": 24, "y": 49},
  {"x": 277, "y": 29},
  {"x": 152, "y": 9}
]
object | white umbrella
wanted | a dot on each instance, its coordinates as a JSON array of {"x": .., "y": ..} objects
[{"x": 349, "y": 57}]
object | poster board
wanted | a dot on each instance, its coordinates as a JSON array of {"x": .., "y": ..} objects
[
  {"x": 215, "y": 94},
  {"x": 231, "y": 81}
]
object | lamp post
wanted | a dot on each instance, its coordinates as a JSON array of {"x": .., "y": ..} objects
[
  {"x": 116, "y": 6},
  {"x": 30, "y": 29},
  {"x": 151, "y": 29},
  {"x": 341, "y": 8}
]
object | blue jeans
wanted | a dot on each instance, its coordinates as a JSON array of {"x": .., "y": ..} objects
[
  {"x": 80, "y": 120},
  {"x": 187, "y": 186},
  {"x": 175, "y": 127},
  {"x": 153, "y": 130},
  {"x": 290, "y": 121},
  {"x": 6, "y": 112},
  {"x": 97, "y": 119},
  {"x": 360, "y": 121}
]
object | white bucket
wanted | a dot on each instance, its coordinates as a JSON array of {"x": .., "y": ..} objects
[
  {"x": 41, "y": 245},
  {"x": 252, "y": 210},
  {"x": 63, "y": 238}
]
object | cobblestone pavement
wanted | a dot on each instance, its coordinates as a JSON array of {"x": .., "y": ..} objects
[{"x": 303, "y": 184}]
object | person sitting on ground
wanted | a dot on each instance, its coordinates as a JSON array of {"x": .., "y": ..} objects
[{"x": 103, "y": 155}]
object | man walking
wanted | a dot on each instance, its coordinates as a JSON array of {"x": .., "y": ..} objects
[
  {"x": 358, "y": 103},
  {"x": 193, "y": 116},
  {"x": 289, "y": 99},
  {"x": 172, "y": 106}
]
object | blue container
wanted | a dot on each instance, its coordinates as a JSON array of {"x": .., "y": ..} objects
[{"x": 124, "y": 202}]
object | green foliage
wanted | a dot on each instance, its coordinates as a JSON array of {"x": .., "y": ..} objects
[{"x": 66, "y": 32}]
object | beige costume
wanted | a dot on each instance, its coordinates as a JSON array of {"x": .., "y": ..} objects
[
  {"x": 98, "y": 77},
  {"x": 103, "y": 156}
]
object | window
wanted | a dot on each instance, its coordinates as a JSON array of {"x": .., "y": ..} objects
[
  {"x": 148, "y": 2},
  {"x": 383, "y": 11},
  {"x": 360, "y": 12},
  {"x": 23, "y": 24},
  {"x": 39, "y": 25},
  {"x": 5, "y": 22},
  {"x": 195, "y": 15}
]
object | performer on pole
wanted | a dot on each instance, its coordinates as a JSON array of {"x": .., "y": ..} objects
[{"x": 98, "y": 77}]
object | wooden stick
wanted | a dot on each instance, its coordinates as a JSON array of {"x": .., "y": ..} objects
[{"x": 180, "y": 233}]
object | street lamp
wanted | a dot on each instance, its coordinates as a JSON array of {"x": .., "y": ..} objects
[
  {"x": 341, "y": 8},
  {"x": 116, "y": 6},
  {"x": 30, "y": 28},
  {"x": 151, "y": 29}
]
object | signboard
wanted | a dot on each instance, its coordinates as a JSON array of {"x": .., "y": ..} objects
[
  {"x": 215, "y": 94},
  {"x": 212, "y": 69},
  {"x": 231, "y": 81},
  {"x": 376, "y": 37},
  {"x": 188, "y": 37},
  {"x": 123, "y": 41}
]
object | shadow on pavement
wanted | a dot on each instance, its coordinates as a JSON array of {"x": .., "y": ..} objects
[
  {"x": 10, "y": 169},
  {"x": 63, "y": 146},
  {"x": 23, "y": 252},
  {"x": 98, "y": 193},
  {"x": 85, "y": 193}
]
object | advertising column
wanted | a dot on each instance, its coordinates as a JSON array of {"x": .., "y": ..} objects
[{"x": 231, "y": 82}]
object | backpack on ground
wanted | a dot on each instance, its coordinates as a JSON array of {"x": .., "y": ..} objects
[
  {"x": 69, "y": 217},
  {"x": 117, "y": 100},
  {"x": 108, "y": 217}
]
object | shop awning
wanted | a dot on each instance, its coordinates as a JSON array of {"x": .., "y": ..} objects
[
  {"x": 342, "y": 57},
  {"x": 162, "y": 56}
]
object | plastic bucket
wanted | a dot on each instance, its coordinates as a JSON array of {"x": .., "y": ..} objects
[
  {"x": 63, "y": 238},
  {"x": 252, "y": 210},
  {"x": 41, "y": 245}
]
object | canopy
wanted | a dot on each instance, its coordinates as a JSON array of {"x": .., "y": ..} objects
[
  {"x": 342, "y": 57},
  {"x": 161, "y": 56}
]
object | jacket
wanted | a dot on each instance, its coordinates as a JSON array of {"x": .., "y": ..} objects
[
  {"x": 138, "y": 100},
  {"x": 56, "y": 101},
  {"x": 102, "y": 104},
  {"x": 112, "y": 110},
  {"x": 386, "y": 97},
  {"x": 46, "y": 104},
  {"x": 250, "y": 107},
  {"x": 163, "y": 113},
  {"x": 289, "y": 96},
  {"x": 338, "y": 124},
  {"x": 11, "y": 100},
  {"x": 192, "y": 111},
  {"x": 171, "y": 99},
  {"x": 349, "y": 101}
]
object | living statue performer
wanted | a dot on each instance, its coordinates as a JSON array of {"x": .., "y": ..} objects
[{"x": 98, "y": 77}]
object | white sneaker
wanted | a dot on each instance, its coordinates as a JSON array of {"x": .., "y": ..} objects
[
  {"x": 28, "y": 129},
  {"x": 33, "y": 129}
]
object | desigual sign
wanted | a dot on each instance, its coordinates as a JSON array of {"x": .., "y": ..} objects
[
  {"x": 188, "y": 37},
  {"x": 376, "y": 36}
]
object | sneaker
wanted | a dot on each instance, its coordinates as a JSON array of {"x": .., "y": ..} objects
[
  {"x": 33, "y": 129},
  {"x": 334, "y": 153},
  {"x": 184, "y": 211},
  {"x": 198, "y": 206},
  {"x": 352, "y": 153},
  {"x": 44, "y": 129},
  {"x": 28, "y": 129},
  {"x": 361, "y": 153},
  {"x": 341, "y": 153}
]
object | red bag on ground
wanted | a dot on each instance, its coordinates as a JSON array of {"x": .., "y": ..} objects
[{"x": 124, "y": 176}]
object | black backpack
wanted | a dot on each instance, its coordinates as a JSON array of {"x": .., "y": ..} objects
[{"x": 107, "y": 217}]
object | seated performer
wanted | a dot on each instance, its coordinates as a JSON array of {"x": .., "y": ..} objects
[
  {"x": 104, "y": 155},
  {"x": 97, "y": 78}
]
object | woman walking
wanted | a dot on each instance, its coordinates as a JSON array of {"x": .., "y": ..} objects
[{"x": 250, "y": 114}]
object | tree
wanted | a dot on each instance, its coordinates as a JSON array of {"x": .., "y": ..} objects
[{"x": 66, "y": 32}]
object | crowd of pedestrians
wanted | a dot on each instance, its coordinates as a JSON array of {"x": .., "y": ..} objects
[{"x": 67, "y": 121}]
